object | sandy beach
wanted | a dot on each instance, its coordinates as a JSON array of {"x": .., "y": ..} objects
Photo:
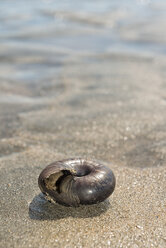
[{"x": 85, "y": 81}]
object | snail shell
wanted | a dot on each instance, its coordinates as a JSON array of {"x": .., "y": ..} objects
[{"x": 76, "y": 181}]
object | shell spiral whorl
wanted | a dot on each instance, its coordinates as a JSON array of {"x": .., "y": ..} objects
[{"x": 76, "y": 181}]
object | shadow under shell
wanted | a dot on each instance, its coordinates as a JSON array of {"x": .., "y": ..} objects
[{"x": 41, "y": 209}]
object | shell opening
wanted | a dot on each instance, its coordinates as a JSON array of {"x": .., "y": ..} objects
[
  {"x": 54, "y": 182},
  {"x": 58, "y": 183}
]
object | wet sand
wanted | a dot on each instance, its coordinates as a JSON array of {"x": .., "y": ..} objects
[{"x": 62, "y": 97}]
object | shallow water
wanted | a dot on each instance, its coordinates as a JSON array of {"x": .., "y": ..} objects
[{"x": 36, "y": 37}]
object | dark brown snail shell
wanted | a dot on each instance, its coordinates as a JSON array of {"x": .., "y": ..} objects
[{"x": 76, "y": 181}]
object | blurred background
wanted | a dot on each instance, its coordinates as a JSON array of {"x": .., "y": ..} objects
[{"x": 84, "y": 78}]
